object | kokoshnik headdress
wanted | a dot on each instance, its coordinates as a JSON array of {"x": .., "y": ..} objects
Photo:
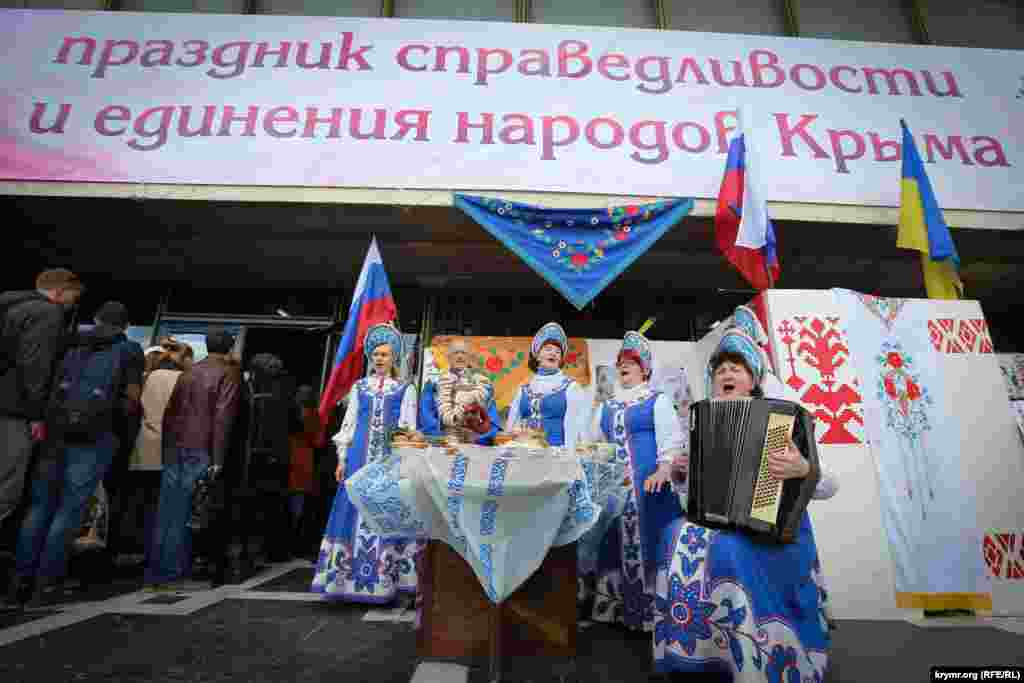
[
  {"x": 384, "y": 333},
  {"x": 739, "y": 342},
  {"x": 552, "y": 332},
  {"x": 636, "y": 347}
]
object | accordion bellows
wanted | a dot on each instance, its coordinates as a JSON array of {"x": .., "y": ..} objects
[{"x": 729, "y": 483}]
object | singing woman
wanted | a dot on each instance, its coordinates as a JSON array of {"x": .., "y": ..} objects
[
  {"x": 354, "y": 564},
  {"x": 551, "y": 400},
  {"x": 726, "y": 603},
  {"x": 644, "y": 426}
]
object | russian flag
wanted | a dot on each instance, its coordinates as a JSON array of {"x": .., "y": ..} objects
[
  {"x": 744, "y": 233},
  {"x": 372, "y": 304}
]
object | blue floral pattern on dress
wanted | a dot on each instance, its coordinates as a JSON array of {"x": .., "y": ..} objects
[
  {"x": 695, "y": 541},
  {"x": 365, "y": 572},
  {"x": 710, "y": 619},
  {"x": 688, "y": 617},
  {"x": 636, "y": 603}
]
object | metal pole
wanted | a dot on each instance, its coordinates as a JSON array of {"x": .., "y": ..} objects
[
  {"x": 426, "y": 332},
  {"x": 791, "y": 16},
  {"x": 161, "y": 310}
]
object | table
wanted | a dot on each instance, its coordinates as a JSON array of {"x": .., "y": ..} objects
[
  {"x": 535, "y": 625},
  {"x": 498, "y": 576}
]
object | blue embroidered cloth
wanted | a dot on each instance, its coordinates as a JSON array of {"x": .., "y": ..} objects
[
  {"x": 501, "y": 509},
  {"x": 578, "y": 251}
]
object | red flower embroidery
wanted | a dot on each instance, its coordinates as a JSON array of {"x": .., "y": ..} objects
[
  {"x": 494, "y": 364},
  {"x": 621, "y": 235},
  {"x": 894, "y": 360},
  {"x": 571, "y": 358},
  {"x": 890, "y": 387},
  {"x": 579, "y": 259},
  {"x": 913, "y": 391},
  {"x": 632, "y": 210}
]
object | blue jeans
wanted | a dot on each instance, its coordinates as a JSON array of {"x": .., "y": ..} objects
[
  {"x": 61, "y": 486},
  {"x": 169, "y": 556}
]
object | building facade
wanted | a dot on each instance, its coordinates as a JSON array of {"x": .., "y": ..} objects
[{"x": 244, "y": 249}]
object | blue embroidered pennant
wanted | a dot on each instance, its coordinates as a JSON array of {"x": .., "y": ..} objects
[{"x": 578, "y": 251}]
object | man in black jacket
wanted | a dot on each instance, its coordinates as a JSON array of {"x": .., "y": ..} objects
[
  {"x": 32, "y": 329},
  {"x": 104, "y": 365}
]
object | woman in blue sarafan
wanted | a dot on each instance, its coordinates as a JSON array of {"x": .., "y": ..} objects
[
  {"x": 551, "y": 400},
  {"x": 645, "y": 427},
  {"x": 748, "y": 610},
  {"x": 355, "y": 564}
]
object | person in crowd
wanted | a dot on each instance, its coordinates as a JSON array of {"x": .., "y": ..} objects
[
  {"x": 227, "y": 538},
  {"x": 269, "y": 468},
  {"x": 726, "y": 603},
  {"x": 33, "y": 324},
  {"x": 177, "y": 353},
  {"x": 354, "y": 563},
  {"x": 306, "y": 436},
  {"x": 646, "y": 429},
  {"x": 164, "y": 368},
  {"x": 196, "y": 428},
  {"x": 97, "y": 383},
  {"x": 550, "y": 401},
  {"x": 460, "y": 402}
]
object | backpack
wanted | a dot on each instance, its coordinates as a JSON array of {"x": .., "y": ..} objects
[{"x": 86, "y": 398}]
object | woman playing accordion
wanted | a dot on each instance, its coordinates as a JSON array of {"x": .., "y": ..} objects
[{"x": 725, "y": 602}]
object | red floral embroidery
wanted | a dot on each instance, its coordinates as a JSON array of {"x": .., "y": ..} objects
[
  {"x": 890, "y": 387},
  {"x": 828, "y": 386},
  {"x": 894, "y": 360},
  {"x": 493, "y": 364},
  {"x": 913, "y": 391},
  {"x": 579, "y": 259},
  {"x": 632, "y": 210},
  {"x": 620, "y": 235}
]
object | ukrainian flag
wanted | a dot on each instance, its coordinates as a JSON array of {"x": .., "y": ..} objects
[{"x": 923, "y": 228}]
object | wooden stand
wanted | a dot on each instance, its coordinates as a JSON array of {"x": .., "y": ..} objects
[{"x": 536, "y": 623}]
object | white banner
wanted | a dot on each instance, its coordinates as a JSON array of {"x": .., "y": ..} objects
[{"x": 304, "y": 101}]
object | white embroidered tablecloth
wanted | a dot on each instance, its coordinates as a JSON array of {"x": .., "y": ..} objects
[{"x": 501, "y": 509}]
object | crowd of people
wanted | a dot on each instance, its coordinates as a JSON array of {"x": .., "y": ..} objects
[{"x": 83, "y": 410}]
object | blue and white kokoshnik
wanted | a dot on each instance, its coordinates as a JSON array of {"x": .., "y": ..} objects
[
  {"x": 636, "y": 342},
  {"x": 746, "y": 320},
  {"x": 552, "y": 332},
  {"x": 384, "y": 333},
  {"x": 738, "y": 341}
]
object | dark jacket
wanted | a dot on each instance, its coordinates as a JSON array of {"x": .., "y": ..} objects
[
  {"x": 202, "y": 409},
  {"x": 132, "y": 366},
  {"x": 33, "y": 338}
]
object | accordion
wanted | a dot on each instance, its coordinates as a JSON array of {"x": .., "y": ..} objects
[{"x": 729, "y": 485}]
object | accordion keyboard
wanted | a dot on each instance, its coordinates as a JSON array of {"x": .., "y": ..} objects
[{"x": 768, "y": 490}]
